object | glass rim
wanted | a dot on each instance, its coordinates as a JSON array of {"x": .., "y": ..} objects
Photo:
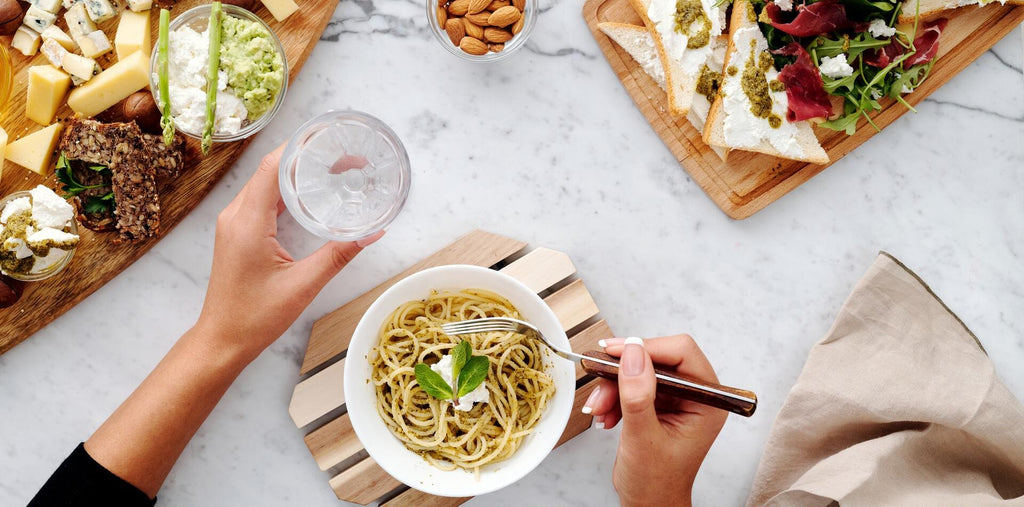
[
  {"x": 56, "y": 267},
  {"x": 197, "y": 13},
  {"x": 290, "y": 157},
  {"x": 511, "y": 47}
]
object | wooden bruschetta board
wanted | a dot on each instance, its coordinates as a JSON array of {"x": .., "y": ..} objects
[
  {"x": 318, "y": 402},
  {"x": 747, "y": 182},
  {"x": 97, "y": 259}
]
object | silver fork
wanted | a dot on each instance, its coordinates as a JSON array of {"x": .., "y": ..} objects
[{"x": 734, "y": 400}]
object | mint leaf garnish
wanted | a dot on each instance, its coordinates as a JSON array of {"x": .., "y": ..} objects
[{"x": 432, "y": 383}]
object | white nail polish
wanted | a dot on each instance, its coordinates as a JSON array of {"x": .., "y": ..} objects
[
  {"x": 599, "y": 425},
  {"x": 587, "y": 410},
  {"x": 633, "y": 340},
  {"x": 602, "y": 343}
]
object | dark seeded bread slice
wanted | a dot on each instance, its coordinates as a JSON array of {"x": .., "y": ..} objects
[
  {"x": 92, "y": 141},
  {"x": 137, "y": 204}
]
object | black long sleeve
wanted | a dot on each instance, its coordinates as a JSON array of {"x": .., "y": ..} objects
[{"x": 81, "y": 481}]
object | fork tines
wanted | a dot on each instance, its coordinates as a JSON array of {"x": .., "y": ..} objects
[{"x": 477, "y": 326}]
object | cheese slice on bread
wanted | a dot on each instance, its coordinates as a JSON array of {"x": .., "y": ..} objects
[
  {"x": 639, "y": 43},
  {"x": 750, "y": 110},
  {"x": 930, "y": 8},
  {"x": 683, "y": 32}
]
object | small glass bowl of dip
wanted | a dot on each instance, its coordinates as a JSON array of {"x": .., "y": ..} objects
[
  {"x": 513, "y": 45},
  {"x": 344, "y": 175},
  {"x": 52, "y": 269},
  {"x": 198, "y": 18}
]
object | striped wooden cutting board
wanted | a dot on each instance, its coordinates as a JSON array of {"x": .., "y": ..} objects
[{"x": 318, "y": 402}]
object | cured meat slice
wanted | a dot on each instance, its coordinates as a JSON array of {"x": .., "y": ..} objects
[
  {"x": 813, "y": 19},
  {"x": 805, "y": 90}
]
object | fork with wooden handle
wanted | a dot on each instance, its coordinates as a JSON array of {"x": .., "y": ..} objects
[{"x": 737, "y": 401}]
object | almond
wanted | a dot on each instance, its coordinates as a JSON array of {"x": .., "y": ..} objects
[
  {"x": 473, "y": 46},
  {"x": 497, "y": 4},
  {"x": 456, "y": 30},
  {"x": 520, "y": 4},
  {"x": 504, "y": 16},
  {"x": 473, "y": 30},
  {"x": 518, "y": 27},
  {"x": 479, "y": 19},
  {"x": 496, "y": 35},
  {"x": 458, "y": 7},
  {"x": 476, "y": 6},
  {"x": 496, "y": 47},
  {"x": 442, "y": 16}
]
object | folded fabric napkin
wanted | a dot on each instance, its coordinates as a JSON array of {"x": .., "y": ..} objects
[{"x": 898, "y": 405}]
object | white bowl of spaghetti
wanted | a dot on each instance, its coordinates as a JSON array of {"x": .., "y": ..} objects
[{"x": 428, "y": 443}]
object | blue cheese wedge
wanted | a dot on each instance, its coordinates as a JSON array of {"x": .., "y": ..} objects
[
  {"x": 51, "y": 6},
  {"x": 94, "y": 44},
  {"x": 140, "y": 5},
  {"x": 38, "y": 19},
  {"x": 57, "y": 35},
  {"x": 69, "y": 3},
  {"x": 54, "y": 52},
  {"x": 100, "y": 10},
  {"x": 26, "y": 41},
  {"x": 81, "y": 68},
  {"x": 79, "y": 22}
]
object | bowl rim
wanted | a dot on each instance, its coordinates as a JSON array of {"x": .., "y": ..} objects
[
  {"x": 56, "y": 267},
  {"x": 369, "y": 428},
  {"x": 511, "y": 47},
  {"x": 196, "y": 13}
]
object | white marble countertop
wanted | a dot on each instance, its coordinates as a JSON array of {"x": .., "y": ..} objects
[{"x": 548, "y": 147}]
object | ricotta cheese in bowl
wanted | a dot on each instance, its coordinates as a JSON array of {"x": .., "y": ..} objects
[
  {"x": 251, "y": 81},
  {"x": 38, "y": 234}
]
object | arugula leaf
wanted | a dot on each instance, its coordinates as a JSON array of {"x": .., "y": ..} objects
[
  {"x": 473, "y": 374},
  {"x": 462, "y": 352},
  {"x": 432, "y": 383}
]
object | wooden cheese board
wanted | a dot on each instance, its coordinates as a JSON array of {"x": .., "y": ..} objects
[
  {"x": 748, "y": 182},
  {"x": 318, "y": 402},
  {"x": 97, "y": 259}
]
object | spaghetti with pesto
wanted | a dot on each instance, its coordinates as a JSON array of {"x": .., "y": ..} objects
[{"x": 517, "y": 384}]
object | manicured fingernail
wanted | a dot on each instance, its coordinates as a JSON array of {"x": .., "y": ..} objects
[
  {"x": 365, "y": 242},
  {"x": 588, "y": 407},
  {"x": 599, "y": 422},
  {"x": 602, "y": 343},
  {"x": 632, "y": 362}
]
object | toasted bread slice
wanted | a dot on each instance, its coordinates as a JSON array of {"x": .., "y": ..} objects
[
  {"x": 682, "y": 64},
  {"x": 794, "y": 141},
  {"x": 639, "y": 43},
  {"x": 931, "y": 8}
]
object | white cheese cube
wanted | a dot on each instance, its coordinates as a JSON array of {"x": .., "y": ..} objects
[
  {"x": 94, "y": 44},
  {"x": 26, "y": 40},
  {"x": 69, "y": 3},
  {"x": 80, "y": 67},
  {"x": 57, "y": 35},
  {"x": 140, "y": 5},
  {"x": 280, "y": 9},
  {"x": 38, "y": 19},
  {"x": 100, "y": 10},
  {"x": 79, "y": 22},
  {"x": 51, "y": 6},
  {"x": 53, "y": 52}
]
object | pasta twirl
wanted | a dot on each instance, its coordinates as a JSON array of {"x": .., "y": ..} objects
[{"x": 518, "y": 386}]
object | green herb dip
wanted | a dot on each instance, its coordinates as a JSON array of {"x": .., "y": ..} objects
[{"x": 255, "y": 69}]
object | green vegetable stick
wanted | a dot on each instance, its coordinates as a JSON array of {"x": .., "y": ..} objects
[
  {"x": 211, "y": 76},
  {"x": 166, "y": 121}
]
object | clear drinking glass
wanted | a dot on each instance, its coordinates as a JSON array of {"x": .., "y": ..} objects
[{"x": 344, "y": 175}]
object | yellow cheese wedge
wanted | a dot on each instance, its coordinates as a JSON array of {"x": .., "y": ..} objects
[
  {"x": 111, "y": 86},
  {"x": 47, "y": 87},
  {"x": 34, "y": 151},
  {"x": 3, "y": 149},
  {"x": 281, "y": 9},
  {"x": 133, "y": 34}
]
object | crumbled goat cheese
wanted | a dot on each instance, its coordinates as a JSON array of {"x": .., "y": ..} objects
[
  {"x": 187, "y": 64},
  {"x": 14, "y": 207},
  {"x": 879, "y": 29},
  {"x": 49, "y": 209},
  {"x": 786, "y": 5},
  {"x": 835, "y": 67}
]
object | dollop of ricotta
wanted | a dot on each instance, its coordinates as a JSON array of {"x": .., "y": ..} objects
[{"x": 478, "y": 395}]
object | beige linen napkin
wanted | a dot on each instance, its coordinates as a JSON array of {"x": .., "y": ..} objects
[{"x": 898, "y": 405}]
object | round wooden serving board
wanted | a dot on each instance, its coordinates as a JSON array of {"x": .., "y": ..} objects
[{"x": 97, "y": 259}]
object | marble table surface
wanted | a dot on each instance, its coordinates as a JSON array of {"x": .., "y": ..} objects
[{"x": 548, "y": 147}]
